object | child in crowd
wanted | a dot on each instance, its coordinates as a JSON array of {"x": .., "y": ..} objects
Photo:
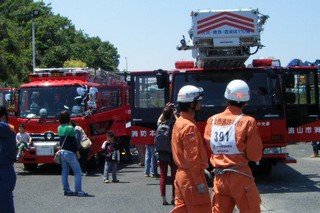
[
  {"x": 112, "y": 154},
  {"x": 23, "y": 140}
]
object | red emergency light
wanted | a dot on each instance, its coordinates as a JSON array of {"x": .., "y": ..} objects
[
  {"x": 79, "y": 75},
  {"x": 184, "y": 64},
  {"x": 262, "y": 62},
  {"x": 58, "y": 74},
  {"x": 268, "y": 62}
]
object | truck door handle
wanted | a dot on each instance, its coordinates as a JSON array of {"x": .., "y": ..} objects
[{"x": 137, "y": 119}]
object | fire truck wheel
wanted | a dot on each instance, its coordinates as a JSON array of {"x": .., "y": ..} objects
[
  {"x": 92, "y": 163},
  {"x": 30, "y": 166},
  {"x": 263, "y": 169}
]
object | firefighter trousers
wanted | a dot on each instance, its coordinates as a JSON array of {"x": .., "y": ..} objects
[
  {"x": 232, "y": 189},
  {"x": 187, "y": 197}
]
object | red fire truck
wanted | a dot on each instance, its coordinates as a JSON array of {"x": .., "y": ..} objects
[
  {"x": 97, "y": 100},
  {"x": 284, "y": 100}
]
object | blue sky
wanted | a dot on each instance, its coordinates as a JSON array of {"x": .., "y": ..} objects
[{"x": 146, "y": 32}]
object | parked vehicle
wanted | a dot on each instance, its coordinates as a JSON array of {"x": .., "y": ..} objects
[{"x": 97, "y": 100}]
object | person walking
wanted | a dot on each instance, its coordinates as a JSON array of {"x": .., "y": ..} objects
[
  {"x": 234, "y": 140},
  {"x": 80, "y": 136},
  {"x": 164, "y": 151},
  {"x": 112, "y": 153},
  {"x": 8, "y": 151},
  {"x": 69, "y": 156},
  {"x": 190, "y": 156}
]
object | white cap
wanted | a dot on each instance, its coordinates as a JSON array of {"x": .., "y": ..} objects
[
  {"x": 189, "y": 93},
  {"x": 237, "y": 90}
]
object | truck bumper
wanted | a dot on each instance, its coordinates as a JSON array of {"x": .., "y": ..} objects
[{"x": 289, "y": 160}]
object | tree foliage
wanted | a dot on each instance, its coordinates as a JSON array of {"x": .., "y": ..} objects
[
  {"x": 56, "y": 41},
  {"x": 74, "y": 64}
]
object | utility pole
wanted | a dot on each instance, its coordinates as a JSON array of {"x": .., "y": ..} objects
[{"x": 34, "y": 15}]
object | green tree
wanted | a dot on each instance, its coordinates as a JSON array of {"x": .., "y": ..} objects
[
  {"x": 74, "y": 63},
  {"x": 100, "y": 54},
  {"x": 57, "y": 41}
]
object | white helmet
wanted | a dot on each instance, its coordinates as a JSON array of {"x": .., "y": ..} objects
[
  {"x": 189, "y": 93},
  {"x": 237, "y": 90}
]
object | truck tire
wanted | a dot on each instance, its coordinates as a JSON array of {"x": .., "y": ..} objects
[
  {"x": 263, "y": 169},
  {"x": 30, "y": 166},
  {"x": 125, "y": 154},
  {"x": 92, "y": 163}
]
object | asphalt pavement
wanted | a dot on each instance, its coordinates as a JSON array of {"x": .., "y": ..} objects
[
  {"x": 289, "y": 188},
  {"x": 41, "y": 191}
]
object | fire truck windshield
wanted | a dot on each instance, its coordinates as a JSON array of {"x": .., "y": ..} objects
[
  {"x": 48, "y": 102},
  {"x": 265, "y": 92}
]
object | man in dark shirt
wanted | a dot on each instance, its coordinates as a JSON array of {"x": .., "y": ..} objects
[{"x": 8, "y": 151}]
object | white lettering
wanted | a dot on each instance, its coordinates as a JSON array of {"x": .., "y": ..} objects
[
  {"x": 316, "y": 129},
  {"x": 134, "y": 134},
  {"x": 152, "y": 133},
  {"x": 300, "y": 130},
  {"x": 143, "y": 133},
  {"x": 291, "y": 130},
  {"x": 308, "y": 130}
]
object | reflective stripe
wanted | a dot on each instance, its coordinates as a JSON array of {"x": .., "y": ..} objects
[{"x": 220, "y": 171}]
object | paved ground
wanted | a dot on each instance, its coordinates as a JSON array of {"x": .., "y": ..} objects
[{"x": 290, "y": 188}]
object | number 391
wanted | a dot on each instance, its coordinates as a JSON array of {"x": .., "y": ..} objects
[{"x": 221, "y": 136}]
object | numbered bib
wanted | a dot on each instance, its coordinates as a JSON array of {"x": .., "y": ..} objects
[{"x": 223, "y": 138}]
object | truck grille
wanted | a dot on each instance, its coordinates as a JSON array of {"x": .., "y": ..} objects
[{"x": 45, "y": 137}]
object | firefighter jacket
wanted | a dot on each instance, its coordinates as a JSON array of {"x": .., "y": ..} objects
[
  {"x": 188, "y": 148},
  {"x": 248, "y": 139}
]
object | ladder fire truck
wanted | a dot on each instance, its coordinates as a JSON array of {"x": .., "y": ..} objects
[
  {"x": 221, "y": 42},
  {"x": 97, "y": 100}
]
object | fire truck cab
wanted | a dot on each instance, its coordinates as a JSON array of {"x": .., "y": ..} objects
[{"x": 97, "y": 100}]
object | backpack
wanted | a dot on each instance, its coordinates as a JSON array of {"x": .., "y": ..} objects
[{"x": 162, "y": 139}]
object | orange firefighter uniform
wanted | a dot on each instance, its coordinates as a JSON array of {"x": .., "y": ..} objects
[
  {"x": 189, "y": 154},
  {"x": 236, "y": 186}
]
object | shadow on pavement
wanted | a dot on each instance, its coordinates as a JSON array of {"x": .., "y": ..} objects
[
  {"x": 54, "y": 169},
  {"x": 285, "y": 179}
]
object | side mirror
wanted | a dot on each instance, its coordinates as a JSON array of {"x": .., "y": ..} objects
[
  {"x": 10, "y": 100},
  {"x": 289, "y": 81},
  {"x": 7, "y": 97},
  {"x": 162, "y": 77},
  {"x": 271, "y": 73}
]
